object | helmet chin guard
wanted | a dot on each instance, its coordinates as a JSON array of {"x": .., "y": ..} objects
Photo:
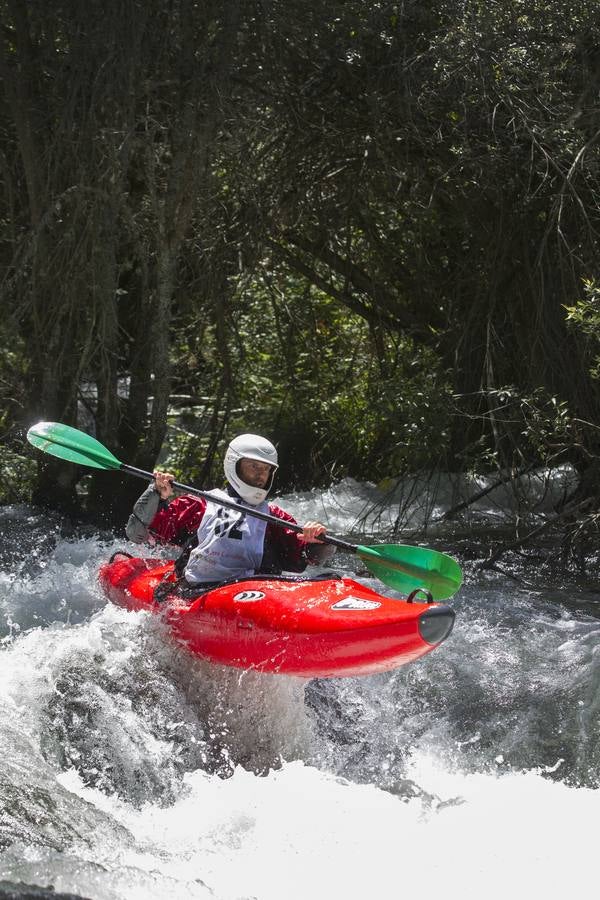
[{"x": 249, "y": 446}]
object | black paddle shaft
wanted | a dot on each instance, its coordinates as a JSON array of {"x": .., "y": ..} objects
[{"x": 219, "y": 501}]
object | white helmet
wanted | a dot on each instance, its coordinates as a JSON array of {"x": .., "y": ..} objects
[{"x": 249, "y": 446}]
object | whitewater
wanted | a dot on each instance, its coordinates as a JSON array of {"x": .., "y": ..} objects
[{"x": 130, "y": 770}]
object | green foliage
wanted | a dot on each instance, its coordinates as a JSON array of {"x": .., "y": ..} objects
[
  {"x": 17, "y": 472},
  {"x": 337, "y": 397},
  {"x": 541, "y": 425},
  {"x": 13, "y": 365},
  {"x": 322, "y": 227},
  {"x": 17, "y": 477},
  {"x": 584, "y": 317}
]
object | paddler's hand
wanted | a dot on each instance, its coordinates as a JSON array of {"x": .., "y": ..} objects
[
  {"x": 311, "y": 532},
  {"x": 163, "y": 483}
]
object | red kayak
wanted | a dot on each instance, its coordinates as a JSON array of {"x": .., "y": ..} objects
[{"x": 322, "y": 627}]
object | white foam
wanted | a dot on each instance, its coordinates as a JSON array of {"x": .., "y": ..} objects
[
  {"x": 101, "y": 743},
  {"x": 301, "y": 833},
  {"x": 412, "y": 501}
]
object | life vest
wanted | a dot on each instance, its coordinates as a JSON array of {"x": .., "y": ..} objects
[{"x": 230, "y": 543}]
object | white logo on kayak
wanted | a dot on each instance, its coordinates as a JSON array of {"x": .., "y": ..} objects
[
  {"x": 248, "y": 596},
  {"x": 355, "y": 603}
]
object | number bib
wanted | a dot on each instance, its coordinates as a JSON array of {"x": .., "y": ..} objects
[{"x": 230, "y": 543}]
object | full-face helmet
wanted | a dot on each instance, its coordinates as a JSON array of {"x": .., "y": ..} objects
[{"x": 249, "y": 446}]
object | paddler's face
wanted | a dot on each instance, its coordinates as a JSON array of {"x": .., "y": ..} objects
[{"x": 254, "y": 472}]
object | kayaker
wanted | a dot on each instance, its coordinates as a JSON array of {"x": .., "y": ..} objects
[{"x": 220, "y": 543}]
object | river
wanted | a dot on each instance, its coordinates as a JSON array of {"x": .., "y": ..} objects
[{"x": 130, "y": 771}]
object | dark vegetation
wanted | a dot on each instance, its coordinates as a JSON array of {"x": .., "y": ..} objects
[{"x": 368, "y": 230}]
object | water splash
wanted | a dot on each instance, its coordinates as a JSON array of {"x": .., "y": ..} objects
[{"x": 128, "y": 769}]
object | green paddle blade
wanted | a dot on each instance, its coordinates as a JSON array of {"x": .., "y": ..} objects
[
  {"x": 405, "y": 568},
  {"x": 70, "y": 444}
]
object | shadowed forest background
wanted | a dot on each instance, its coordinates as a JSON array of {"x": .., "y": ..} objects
[{"x": 366, "y": 230}]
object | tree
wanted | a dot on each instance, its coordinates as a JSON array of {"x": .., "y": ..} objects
[
  {"x": 111, "y": 124},
  {"x": 421, "y": 175}
]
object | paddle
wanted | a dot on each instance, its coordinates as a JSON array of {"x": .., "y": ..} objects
[{"x": 403, "y": 568}]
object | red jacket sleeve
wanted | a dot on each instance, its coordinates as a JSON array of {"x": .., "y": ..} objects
[
  {"x": 285, "y": 546},
  {"x": 175, "y": 523}
]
